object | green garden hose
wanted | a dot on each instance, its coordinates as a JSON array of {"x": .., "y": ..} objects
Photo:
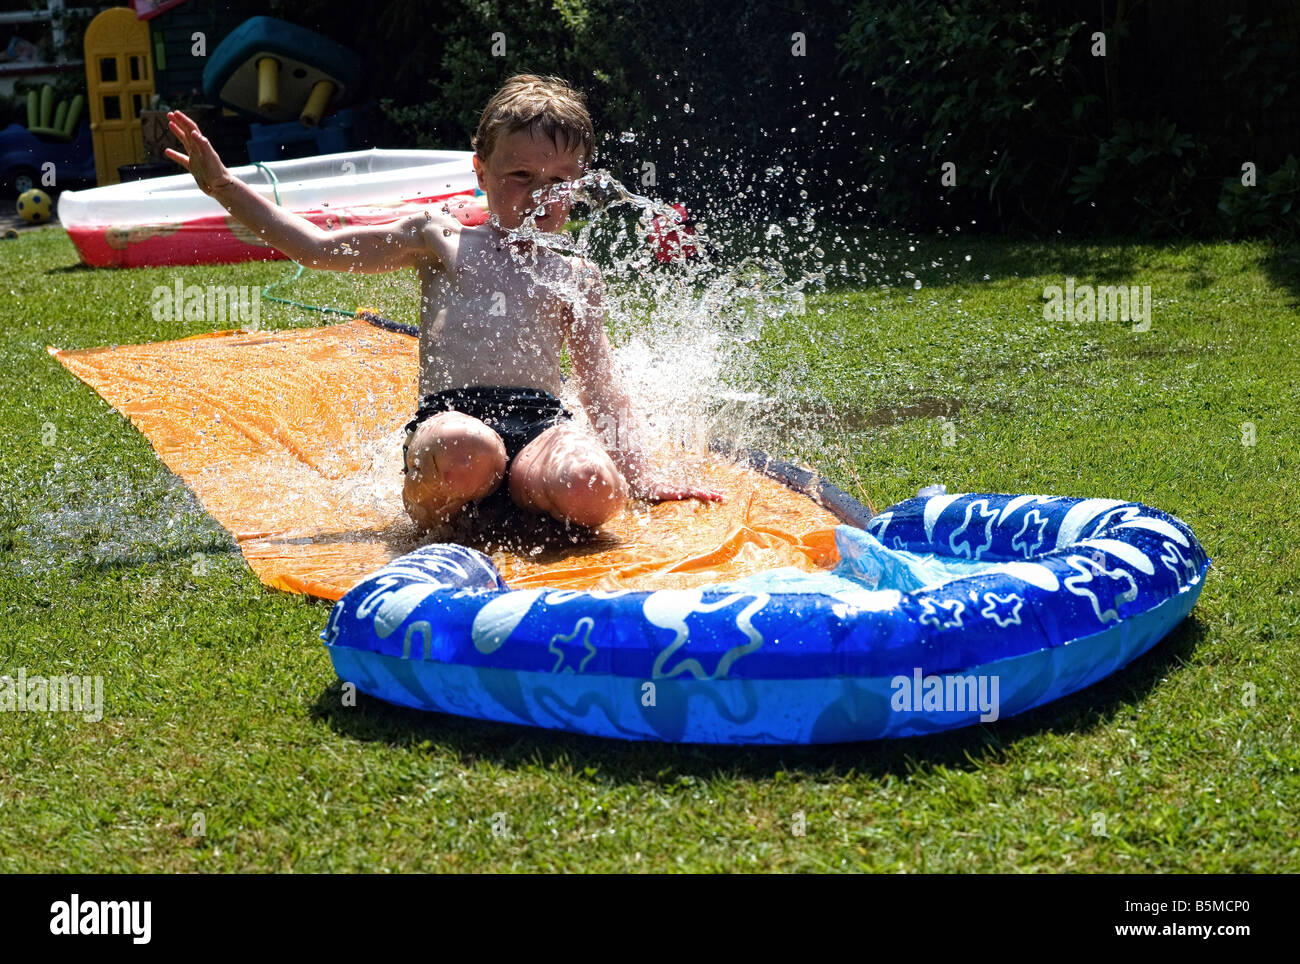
[{"x": 275, "y": 190}]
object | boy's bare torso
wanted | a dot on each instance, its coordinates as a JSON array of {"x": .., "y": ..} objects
[{"x": 483, "y": 319}]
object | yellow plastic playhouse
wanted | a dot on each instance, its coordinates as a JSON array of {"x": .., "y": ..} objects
[{"x": 119, "y": 78}]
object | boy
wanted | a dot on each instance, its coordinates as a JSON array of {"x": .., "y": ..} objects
[{"x": 489, "y": 382}]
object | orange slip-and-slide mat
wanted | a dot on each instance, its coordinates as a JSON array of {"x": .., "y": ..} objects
[{"x": 292, "y": 440}]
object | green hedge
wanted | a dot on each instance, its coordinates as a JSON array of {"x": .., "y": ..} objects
[
  {"x": 1050, "y": 131},
  {"x": 1044, "y": 136}
]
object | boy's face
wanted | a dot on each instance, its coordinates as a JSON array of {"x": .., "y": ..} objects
[{"x": 521, "y": 164}]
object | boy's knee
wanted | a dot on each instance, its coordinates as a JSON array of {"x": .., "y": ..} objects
[
  {"x": 452, "y": 460},
  {"x": 588, "y": 493},
  {"x": 454, "y": 454}
]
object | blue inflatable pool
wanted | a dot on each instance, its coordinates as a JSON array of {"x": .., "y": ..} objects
[{"x": 943, "y": 612}]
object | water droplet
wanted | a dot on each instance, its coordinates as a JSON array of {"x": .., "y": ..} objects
[
  {"x": 446, "y": 232},
  {"x": 627, "y": 137},
  {"x": 917, "y": 284}
]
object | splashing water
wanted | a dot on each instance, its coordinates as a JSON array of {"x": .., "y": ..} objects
[{"x": 685, "y": 327}]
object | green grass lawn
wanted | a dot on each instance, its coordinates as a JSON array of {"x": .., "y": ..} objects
[{"x": 220, "y": 699}]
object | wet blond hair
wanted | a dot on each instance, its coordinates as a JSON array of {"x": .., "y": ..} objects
[{"x": 547, "y": 106}]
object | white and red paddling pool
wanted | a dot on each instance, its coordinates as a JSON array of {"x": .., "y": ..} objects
[{"x": 169, "y": 221}]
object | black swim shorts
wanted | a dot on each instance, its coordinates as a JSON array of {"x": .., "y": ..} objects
[{"x": 518, "y": 415}]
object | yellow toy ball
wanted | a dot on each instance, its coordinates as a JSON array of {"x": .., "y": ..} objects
[{"x": 34, "y": 206}]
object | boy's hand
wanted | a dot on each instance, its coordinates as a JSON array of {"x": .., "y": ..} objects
[
  {"x": 670, "y": 492},
  {"x": 201, "y": 160}
]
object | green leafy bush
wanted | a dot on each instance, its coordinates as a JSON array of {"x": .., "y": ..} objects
[
  {"x": 1271, "y": 207},
  {"x": 1049, "y": 134},
  {"x": 992, "y": 89},
  {"x": 1143, "y": 179},
  {"x": 573, "y": 39}
]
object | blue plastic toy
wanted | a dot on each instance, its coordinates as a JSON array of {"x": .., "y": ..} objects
[
  {"x": 282, "y": 142},
  {"x": 52, "y": 136},
  {"x": 944, "y": 611},
  {"x": 273, "y": 71}
]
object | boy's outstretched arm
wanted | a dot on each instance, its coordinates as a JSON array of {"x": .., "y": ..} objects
[
  {"x": 371, "y": 248},
  {"x": 607, "y": 403}
]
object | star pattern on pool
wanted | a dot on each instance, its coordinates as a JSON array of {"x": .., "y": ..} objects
[
  {"x": 1021, "y": 539},
  {"x": 1184, "y": 569},
  {"x": 966, "y": 541},
  {"x": 1003, "y": 610},
  {"x": 671, "y": 609},
  {"x": 1092, "y": 572},
  {"x": 565, "y": 652},
  {"x": 951, "y": 617}
]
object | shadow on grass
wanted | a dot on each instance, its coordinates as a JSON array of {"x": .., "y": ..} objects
[
  {"x": 971, "y": 748},
  {"x": 1282, "y": 268}
]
